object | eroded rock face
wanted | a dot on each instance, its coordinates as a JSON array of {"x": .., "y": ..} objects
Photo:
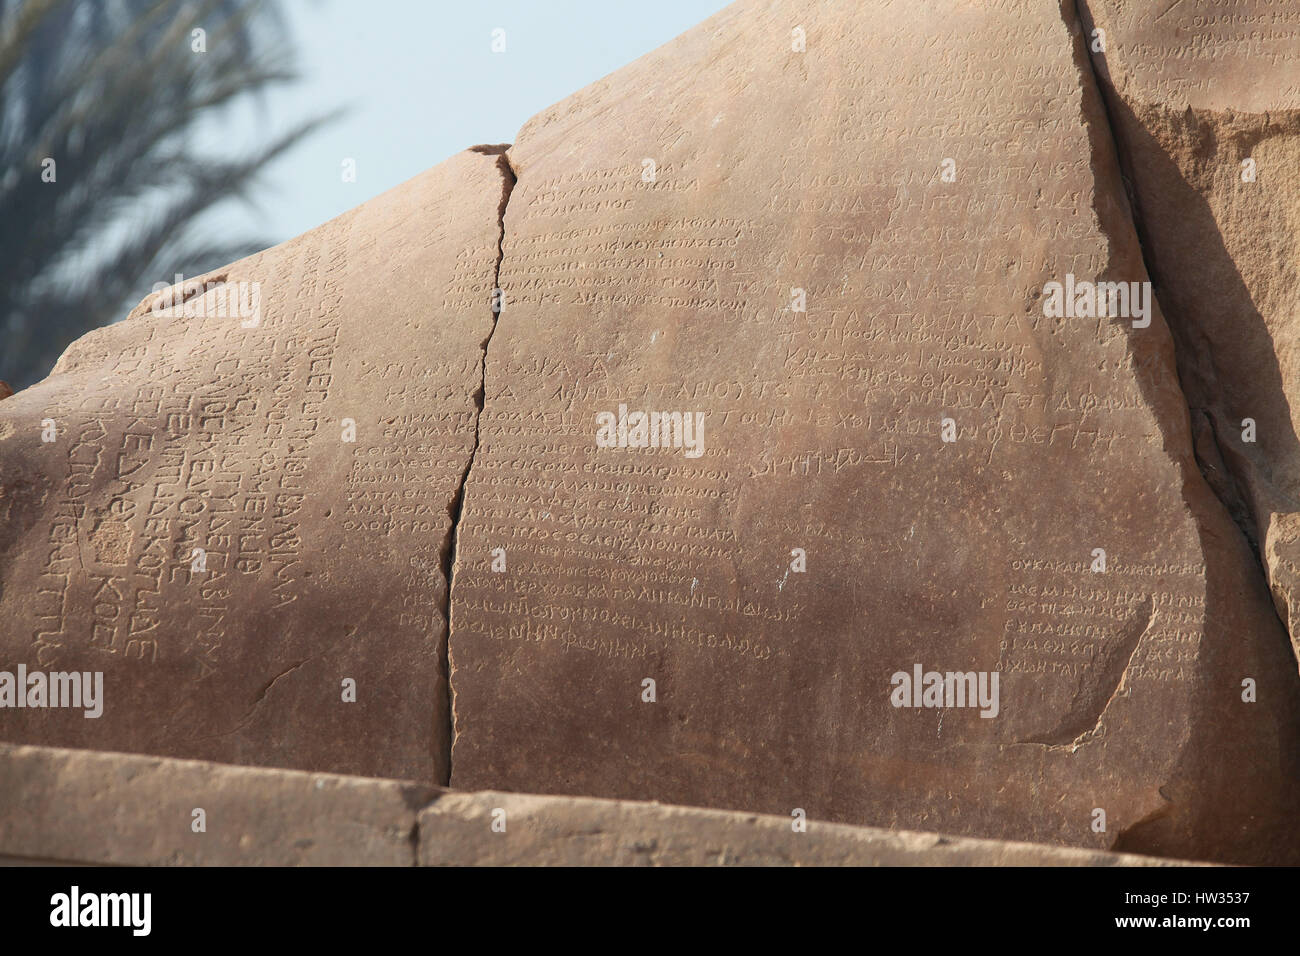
[
  {"x": 669, "y": 226},
  {"x": 239, "y": 509},
  {"x": 828, "y": 248},
  {"x": 1205, "y": 100}
]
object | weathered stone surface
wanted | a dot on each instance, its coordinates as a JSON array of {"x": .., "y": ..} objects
[
  {"x": 1205, "y": 101},
  {"x": 830, "y": 231},
  {"x": 87, "y": 807},
  {"x": 71, "y": 806},
  {"x": 672, "y": 287},
  {"x": 324, "y": 557},
  {"x": 458, "y": 830}
]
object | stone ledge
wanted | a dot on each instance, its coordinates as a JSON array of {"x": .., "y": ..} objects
[
  {"x": 91, "y": 807},
  {"x": 582, "y": 831},
  {"x": 87, "y": 806}
]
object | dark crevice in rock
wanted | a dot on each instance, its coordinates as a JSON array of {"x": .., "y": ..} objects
[
  {"x": 1132, "y": 838},
  {"x": 1221, "y": 478},
  {"x": 447, "y": 719},
  {"x": 1229, "y": 345},
  {"x": 1211, "y": 458},
  {"x": 413, "y": 842},
  {"x": 1206, "y": 450}
]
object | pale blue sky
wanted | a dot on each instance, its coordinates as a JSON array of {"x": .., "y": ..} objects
[{"x": 423, "y": 83}]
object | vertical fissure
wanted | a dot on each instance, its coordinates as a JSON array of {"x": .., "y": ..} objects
[
  {"x": 447, "y": 719},
  {"x": 1222, "y": 482}
]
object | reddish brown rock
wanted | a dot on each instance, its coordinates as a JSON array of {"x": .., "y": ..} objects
[
  {"x": 305, "y": 423},
  {"x": 1205, "y": 101},
  {"x": 915, "y": 178},
  {"x": 822, "y": 245}
]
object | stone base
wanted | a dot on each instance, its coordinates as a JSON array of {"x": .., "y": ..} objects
[{"x": 90, "y": 807}]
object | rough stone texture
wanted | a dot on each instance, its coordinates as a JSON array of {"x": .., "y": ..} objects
[
  {"x": 821, "y": 171},
  {"x": 1194, "y": 90},
  {"x": 87, "y": 807},
  {"x": 575, "y": 831},
  {"x": 325, "y": 559},
  {"x": 650, "y": 256},
  {"x": 70, "y": 806}
]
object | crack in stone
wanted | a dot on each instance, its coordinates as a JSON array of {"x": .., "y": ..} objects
[
  {"x": 445, "y": 732},
  {"x": 1070, "y": 737},
  {"x": 1169, "y": 9},
  {"x": 1222, "y": 478},
  {"x": 1085, "y": 23},
  {"x": 1223, "y": 484},
  {"x": 1203, "y": 435},
  {"x": 261, "y": 697}
]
